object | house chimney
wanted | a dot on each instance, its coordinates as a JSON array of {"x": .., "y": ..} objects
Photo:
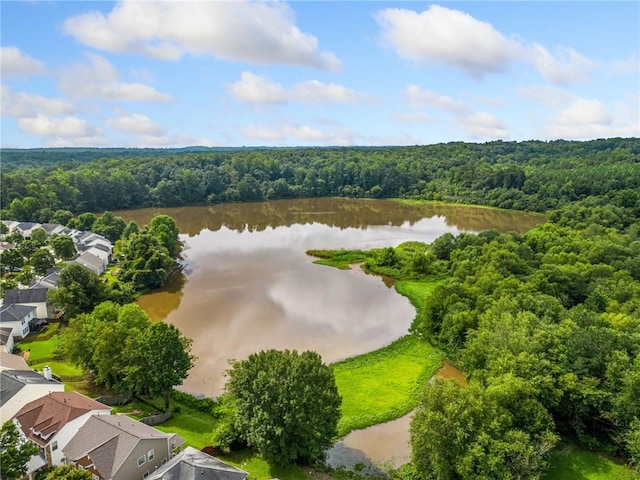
[{"x": 47, "y": 372}]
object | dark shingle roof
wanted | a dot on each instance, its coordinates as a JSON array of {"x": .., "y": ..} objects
[
  {"x": 29, "y": 295},
  {"x": 5, "y": 334},
  {"x": 12, "y": 381},
  {"x": 192, "y": 464},
  {"x": 14, "y": 312}
]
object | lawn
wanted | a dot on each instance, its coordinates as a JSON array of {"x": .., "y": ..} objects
[
  {"x": 383, "y": 385},
  {"x": 39, "y": 349},
  {"x": 570, "y": 462},
  {"x": 61, "y": 368}
]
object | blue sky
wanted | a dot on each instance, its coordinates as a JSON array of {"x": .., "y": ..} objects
[{"x": 162, "y": 74}]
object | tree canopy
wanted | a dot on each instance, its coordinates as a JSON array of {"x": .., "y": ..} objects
[
  {"x": 14, "y": 452},
  {"x": 287, "y": 404}
]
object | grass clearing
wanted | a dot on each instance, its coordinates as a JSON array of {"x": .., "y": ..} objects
[
  {"x": 571, "y": 462},
  {"x": 60, "y": 368},
  {"x": 39, "y": 349},
  {"x": 383, "y": 385}
]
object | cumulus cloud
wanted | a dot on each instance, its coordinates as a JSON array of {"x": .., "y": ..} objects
[
  {"x": 253, "y": 88},
  {"x": 135, "y": 123},
  {"x": 545, "y": 94},
  {"x": 255, "y": 32},
  {"x": 292, "y": 134},
  {"x": 15, "y": 63},
  {"x": 443, "y": 36},
  {"x": 22, "y": 104},
  {"x": 100, "y": 79},
  {"x": 449, "y": 37},
  {"x": 256, "y": 89},
  {"x": 414, "y": 117},
  {"x": 66, "y": 131},
  {"x": 424, "y": 98},
  {"x": 567, "y": 66},
  {"x": 483, "y": 125}
]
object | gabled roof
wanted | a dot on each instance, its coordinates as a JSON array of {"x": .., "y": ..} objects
[
  {"x": 12, "y": 381},
  {"x": 88, "y": 259},
  {"x": 44, "y": 417},
  {"x": 25, "y": 226},
  {"x": 14, "y": 312},
  {"x": 5, "y": 334},
  {"x": 48, "y": 282},
  {"x": 9, "y": 361},
  {"x": 29, "y": 295},
  {"x": 109, "y": 440},
  {"x": 192, "y": 464},
  {"x": 100, "y": 246}
]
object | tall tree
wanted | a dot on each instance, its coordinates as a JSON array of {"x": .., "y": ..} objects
[
  {"x": 162, "y": 361},
  {"x": 79, "y": 290},
  {"x": 287, "y": 403},
  {"x": 110, "y": 226},
  {"x": 63, "y": 246},
  {"x": 68, "y": 472},
  {"x": 14, "y": 452}
]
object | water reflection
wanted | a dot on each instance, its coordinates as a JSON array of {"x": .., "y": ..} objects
[{"x": 249, "y": 285}]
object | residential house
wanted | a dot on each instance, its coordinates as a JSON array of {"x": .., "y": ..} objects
[
  {"x": 25, "y": 228},
  {"x": 92, "y": 262},
  {"x": 6, "y": 339},
  {"x": 33, "y": 297},
  {"x": 117, "y": 447},
  {"x": 19, "y": 387},
  {"x": 17, "y": 317},
  {"x": 52, "y": 420},
  {"x": 50, "y": 281},
  {"x": 192, "y": 464},
  {"x": 56, "y": 229}
]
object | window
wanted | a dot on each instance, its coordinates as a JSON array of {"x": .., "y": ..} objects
[
  {"x": 142, "y": 460},
  {"x": 54, "y": 446},
  {"x": 150, "y": 455},
  {"x": 94, "y": 477},
  {"x": 146, "y": 474}
]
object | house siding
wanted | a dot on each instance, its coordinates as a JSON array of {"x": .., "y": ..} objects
[{"x": 130, "y": 470}]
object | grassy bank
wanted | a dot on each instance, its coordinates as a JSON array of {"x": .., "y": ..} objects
[
  {"x": 383, "y": 385},
  {"x": 569, "y": 462}
]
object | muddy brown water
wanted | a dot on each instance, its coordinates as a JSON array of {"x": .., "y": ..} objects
[{"x": 248, "y": 285}]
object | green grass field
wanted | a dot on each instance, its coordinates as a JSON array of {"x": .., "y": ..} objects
[
  {"x": 572, "y": 463},
  {"x": 39, "y": 349},
  {"x": 383, "y": 385}
]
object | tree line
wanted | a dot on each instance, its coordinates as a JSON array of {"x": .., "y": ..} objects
[{"x": 531, "y": 175}]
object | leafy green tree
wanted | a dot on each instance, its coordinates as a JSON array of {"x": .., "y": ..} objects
[
  {"x": 39, "y": 235},
  {"x": 145, "y": 262},
  {"x": 42, "y": 260},
  {"x": 287, "y": 403},
  {"x": 68, "y": 472},
  {"x": 165, "y": 230},
  {"x": 110, "y": 226},
  {"x": 11, "y": 259},
  {"x": 14, "y": 452},
  {"x": 130, "y": 229},
  {"x": 63, "y": 246},
  {"x": 84, "y": 221},
  {"x": 161, "y": 362},
  {"x": 79, "y": 290},
  {"x": 28, "y": 248}
]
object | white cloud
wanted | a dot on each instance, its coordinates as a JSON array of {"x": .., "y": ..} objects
[
  {"x": 424, "y": 98},
  {"x": 313, "y": 91},
  {"x": 135, "y": 123},
  {"x": 255, "y": 32},
  {"x": 483, "y": 125},
  {"x": 414, "y": 117},
  {"x": 256, "y": 89},
  {"x": 101, "y": 80},
  {"x": 22, "y": 104},
  {"x": 67, "y": 131},
  {"x": 294, "y": 134},
  {"x": 584, "y": 118},
  {"x": 567, "y": 66},
  {"x": 449, "y": 37},
  {"x": 15, "y": 63},
  {"x": 253, "y": 88},
  {"x": 624, "y": 67},
  {"x": 443, "y": 36}
]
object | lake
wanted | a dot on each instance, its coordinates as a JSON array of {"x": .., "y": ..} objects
[{"x": 248, "y": 284}]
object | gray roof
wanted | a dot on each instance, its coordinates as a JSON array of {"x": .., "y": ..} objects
[
  {"x": 48, "y": 282},
  {"x": 88, "y": 258},
  {"x": 5, "y": 335},
  {"x": 14, "y": 312},
  {"x": 29, "y": 295},
  {"x": 12, "y": 381},
  {"x": 192, "y": 464},
  {"x": 101, "y": 246},
  {"x": 27, "y": 225},
  {"x": 109, "y": 440}
]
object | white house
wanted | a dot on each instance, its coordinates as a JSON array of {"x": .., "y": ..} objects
[
  {"x": 6, "y": 339},
  {"x": 31, "y": 297},
  {"x": 92, "y": 262},
  {"x": 17, "y": 317}
]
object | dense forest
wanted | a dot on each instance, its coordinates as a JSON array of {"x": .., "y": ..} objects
[{"x": 38, "y": 185}]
